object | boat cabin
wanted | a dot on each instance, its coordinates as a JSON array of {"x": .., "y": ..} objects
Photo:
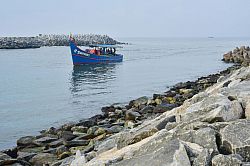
[{"x": 103, "y": 49}]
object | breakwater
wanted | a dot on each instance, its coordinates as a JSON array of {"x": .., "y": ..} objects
[
  {"x": 19, "y": 42},
  {"x": 238, "y": 55},
  {"x": 53, "y": 40},
  {"x": 97, "y": 136}
]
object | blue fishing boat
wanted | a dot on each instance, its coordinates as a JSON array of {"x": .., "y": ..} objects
[{"x": 95, "y": 54}]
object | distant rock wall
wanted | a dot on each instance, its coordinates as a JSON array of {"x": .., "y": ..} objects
[
  {"x": 19, "y": 42},
  {"x": 87, "y": 39},
  {"x": 53, "y": 40},
  {"x": 238, "y": 55}
]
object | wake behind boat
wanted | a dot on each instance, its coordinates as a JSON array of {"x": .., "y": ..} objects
[{"x": 95, "y": 54}]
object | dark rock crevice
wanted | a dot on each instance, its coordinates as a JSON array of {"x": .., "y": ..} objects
[{"x": 223, "y": 148}]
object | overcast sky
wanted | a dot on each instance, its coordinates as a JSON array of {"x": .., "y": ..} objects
[{"x": 127, "y": 18}]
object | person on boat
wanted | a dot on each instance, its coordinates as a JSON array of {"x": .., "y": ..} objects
[
  {"x": 102, "y": 51},
  {"x": 92, "y": 51},
  {"x": 98, "y": 52}
]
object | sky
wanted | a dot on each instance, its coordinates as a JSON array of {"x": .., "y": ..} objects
[{"x": 126, "y": 18}]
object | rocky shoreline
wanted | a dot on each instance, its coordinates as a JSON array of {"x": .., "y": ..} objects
[
  {"x": 202, "y": 122},
  {"x": 53, "y": 40}
]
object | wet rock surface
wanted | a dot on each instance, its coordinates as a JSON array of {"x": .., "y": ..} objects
[{"x": 42, "y": 159}]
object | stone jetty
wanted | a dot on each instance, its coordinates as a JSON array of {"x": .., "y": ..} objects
[
  {"x": 19, "y": 42},
  {"x": 238, "y": 55},
  {"x": 53, "y": 40},
  {"x": 81, "y": 40},
  {"x": 196, "y": 123}
]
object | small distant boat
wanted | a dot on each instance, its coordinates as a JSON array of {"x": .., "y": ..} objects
[{"x": 98, "y": 53}]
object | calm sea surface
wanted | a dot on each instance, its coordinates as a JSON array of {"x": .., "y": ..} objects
[{"x": 40, "y": 88}]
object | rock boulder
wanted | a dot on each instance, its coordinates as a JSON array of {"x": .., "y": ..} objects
[
  {"x": 227, "y": 160},
  {"x": 235, "y": 139},
  {"x": 159, "y": 153}
]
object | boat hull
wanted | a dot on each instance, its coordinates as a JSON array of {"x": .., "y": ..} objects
[{"x": 82, "y": 57}]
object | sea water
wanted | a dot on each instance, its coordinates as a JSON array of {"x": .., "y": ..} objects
[{"x": 40, "y": 88}]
